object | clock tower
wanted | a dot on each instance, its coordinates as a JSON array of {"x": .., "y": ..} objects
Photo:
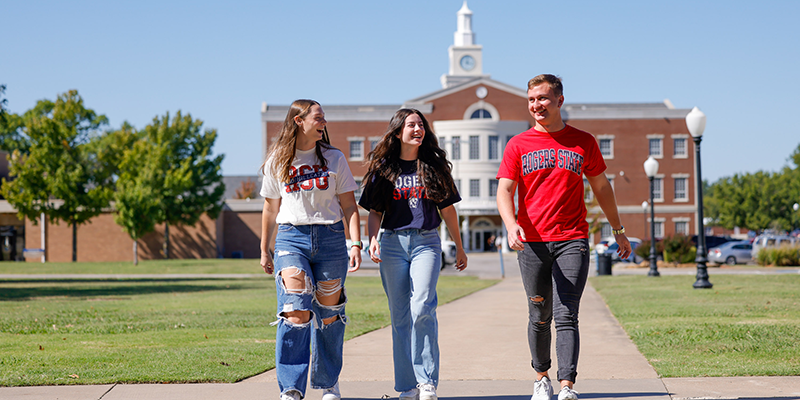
[{"x": 466, "y": 60}]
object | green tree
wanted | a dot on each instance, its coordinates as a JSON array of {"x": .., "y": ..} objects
[
  {"x": 11, "y": 128},
  {"x": 141, "y": 172},
  {"x": 192, "y": 179},
  {"x": 757, "y": 201},
  {"x": 59, "y": 176}
]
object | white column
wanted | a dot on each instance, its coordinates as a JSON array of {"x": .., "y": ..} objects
[{"x": 465, "y": 234}]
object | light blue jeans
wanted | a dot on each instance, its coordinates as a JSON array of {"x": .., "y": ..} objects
[
  {"x": 320, "y": 252},
  {"x": 411, "y": 259}
]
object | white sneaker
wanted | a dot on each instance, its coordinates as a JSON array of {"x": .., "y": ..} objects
[
  {"x": 291, "y": 395},
  {"x": 412, "y": 394},
  {"x": 332, "y": 393},
  {"x": 567, "y": 393},
  {"x": 427, "y": 391},
  {"x": 542, "y": 390}
]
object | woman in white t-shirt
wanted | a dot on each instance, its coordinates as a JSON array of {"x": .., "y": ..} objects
[{"x": 309, "y": 202}]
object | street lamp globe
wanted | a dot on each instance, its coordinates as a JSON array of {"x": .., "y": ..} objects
[
  {"x": 645, "y": 204},
  {"x": 696, "y": 122},
  {"x": 651, "y": 167},
  {"x": 796, "y": 206}
]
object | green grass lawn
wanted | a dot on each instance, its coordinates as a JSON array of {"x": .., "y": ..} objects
[
  {"x": 93, "y": 331},
  {"x": 202, "y": 266},
  {"x": 746, "y": 325}
]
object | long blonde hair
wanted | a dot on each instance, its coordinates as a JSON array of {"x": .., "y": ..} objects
[{"x": 284, "y": 148}]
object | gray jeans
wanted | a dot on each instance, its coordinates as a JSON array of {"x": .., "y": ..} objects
[{"x": 554, "y": 275}]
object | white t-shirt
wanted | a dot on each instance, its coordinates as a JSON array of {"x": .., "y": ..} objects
[{"x": 311, "y": 196}]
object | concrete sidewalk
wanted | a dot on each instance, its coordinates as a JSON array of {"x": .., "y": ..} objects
[{"x": 484, "y": 355}]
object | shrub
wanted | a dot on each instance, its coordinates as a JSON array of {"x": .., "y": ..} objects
[
  {"x": 679, "y": 249},
  {"x": 643, "y": 250},
  {"x": 782, "y": 256}
]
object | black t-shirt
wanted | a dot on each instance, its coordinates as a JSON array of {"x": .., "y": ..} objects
[{"x": 410, "y": 207}]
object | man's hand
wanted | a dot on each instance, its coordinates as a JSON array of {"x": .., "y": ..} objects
[
  {"x": 516, "y": 236},
  {"x": 624, "y": 249}
]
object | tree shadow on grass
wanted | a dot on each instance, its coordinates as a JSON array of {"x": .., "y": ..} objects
[{"x": 91, "y": 288}]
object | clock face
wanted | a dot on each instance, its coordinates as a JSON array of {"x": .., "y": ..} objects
[{"x": 467, "y": 62}]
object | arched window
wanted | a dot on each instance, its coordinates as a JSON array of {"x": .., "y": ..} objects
[{"x": 481, "y": 114}]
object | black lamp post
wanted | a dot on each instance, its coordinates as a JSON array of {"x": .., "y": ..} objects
[
  {"x": 644, "y": 215},
  {"x": 651, "y": 169},
  {"x": 696, "y": 122}
]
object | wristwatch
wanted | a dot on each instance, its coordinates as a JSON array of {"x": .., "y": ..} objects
[
  {"x": 619, "y": 231},
  {"x": 356, "y": 243}
]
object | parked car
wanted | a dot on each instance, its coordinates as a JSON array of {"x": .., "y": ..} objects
[
  {"x": 771, "y": 240},
  {"x": 611, "y": 245},
  {"x": 731, "y": 253},
  {"x": 448, "y": 252},
  {"x": 714, "y": 241}
]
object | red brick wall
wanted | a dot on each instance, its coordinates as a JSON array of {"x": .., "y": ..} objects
[
  {"x": 452, "y": 107},
  {"x": 101, "y": 239},
  {"x": 241, "y": 232}
]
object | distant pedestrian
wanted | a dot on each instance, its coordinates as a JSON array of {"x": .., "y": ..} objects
[
  {"x": 308, "y": 190},
  {"x": 546, "y": 165},
  {"x": 408, "y": 192}
]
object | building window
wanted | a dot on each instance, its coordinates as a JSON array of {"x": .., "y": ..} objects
[
  {"x": 356, "y": 149},
  {"x": 358, "y": 191},
  {"x": 607, "y": 148},
  {"x": 658, "y": 189},
  {"x": 457, "y": 182},
  {"x": 679, "y": 147},
  {"x": 605, "y": 230},
  {"x": 455, "y": 154},
  {"x": 680, "y": 189},
  {"x": 481, "y": 114},
  {"x": 508, "y": 138},
  {"x": 474, "y": 147},
  {"x": 494, "y": 147},
  {"x": 474, "y": 188},
  {"x": 656, "y": 147},
  {"x": 659, "y": 225},
  {"x": 493, "y": 187},
  {"x": 682, "y": 228}
]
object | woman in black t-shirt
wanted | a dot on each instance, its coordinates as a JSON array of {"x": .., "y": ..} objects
[{"x": 408, "y": 192}]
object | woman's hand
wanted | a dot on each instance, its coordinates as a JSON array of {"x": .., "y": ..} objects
[
  {"x": 461, "y": 259},
  {"x": 355, "y": 259},
  {"x": 267, "y": 263},
  {"x": 375, "y": 250}
]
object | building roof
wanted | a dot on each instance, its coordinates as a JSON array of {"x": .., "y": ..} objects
[
  {"x": 576, "y": 111},
  {"x": 370, "y": 112}
]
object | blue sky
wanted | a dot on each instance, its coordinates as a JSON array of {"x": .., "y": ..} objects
[{"x": 219, "y": 61}]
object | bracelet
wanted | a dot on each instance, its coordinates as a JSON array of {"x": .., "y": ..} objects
[
  {"x": 356, "y": 243},
  {"x": 619, "y": 231}
]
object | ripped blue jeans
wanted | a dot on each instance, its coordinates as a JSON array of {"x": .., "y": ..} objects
[{"x": 318, "y": 255}]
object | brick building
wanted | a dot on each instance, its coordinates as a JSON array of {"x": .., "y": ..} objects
[{"x": 474, "y": 116}]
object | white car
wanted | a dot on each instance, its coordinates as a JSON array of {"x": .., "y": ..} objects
[{"x": 448, "y": 252}]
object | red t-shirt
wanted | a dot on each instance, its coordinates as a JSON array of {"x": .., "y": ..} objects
[{"x": 549, "y": 169}]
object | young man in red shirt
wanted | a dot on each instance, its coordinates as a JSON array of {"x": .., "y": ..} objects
[{"x": 546, "y": 165}]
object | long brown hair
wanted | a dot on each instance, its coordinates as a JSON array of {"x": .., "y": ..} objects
[
  {"x": 433, "y": 168},
  {"x": 284, "y": 148}
]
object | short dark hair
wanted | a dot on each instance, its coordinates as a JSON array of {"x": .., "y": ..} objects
[{"x": 552, "y": 80}]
